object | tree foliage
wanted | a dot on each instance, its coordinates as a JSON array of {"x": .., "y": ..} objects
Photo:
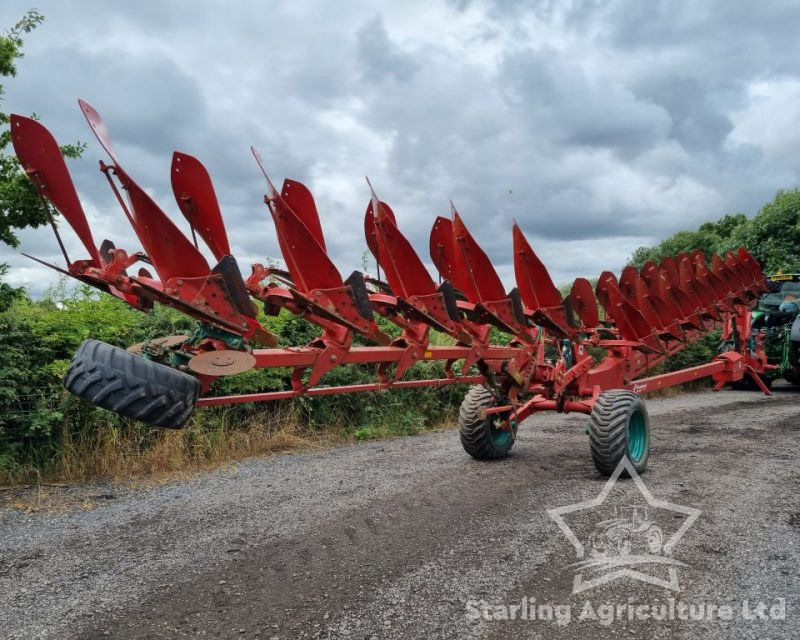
[
  {"x": 772, "y": 236},
  {"x": 20, "y": 205},
  {"x": 710, "y": 237},
  {"x": 39, "y": 337}
]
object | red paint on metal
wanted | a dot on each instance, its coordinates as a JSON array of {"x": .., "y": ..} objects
[
  {"x": 695, "y": 289},
  {"x": 442, "y": 250},
  {"x": 632, "y": 288},
  {"x": 688, "y": 305},
  {"x": 405, "y": 273},
  {"x": 654, "y": 313},
  {"x": 754, "y": 268},
  {"x": 271, "y": 396},
  {"x": 631, "y": 323},
  {"x": 369, "y": 227},
  {"x": 665, "y": 380},
  {"x": 171, "y": 253},
  {"x": 655, "y": 279},
  {"x": 299, "y": 199},
  {"x": 584, "y": 302},
  {"x": 194, "y": 193},
  {"x": 533, "y": 280},
  {"x": 307, "y": 262},
  {"x": 41, "y": 159},
  {"x": 473, "y": 265},
  {"x": 720, "y": 291}
]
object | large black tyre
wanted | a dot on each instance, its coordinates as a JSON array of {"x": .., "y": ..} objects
[
  {"x": 619, "y": 427},
  {"x": 748, "y": 384},
  {"x": 480, "y": 437},
  {"x": 127, "y": 384}
]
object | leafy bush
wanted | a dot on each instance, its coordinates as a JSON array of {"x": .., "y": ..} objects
[
  {"x": 772, "y": 236},
  {"x": 40, "y": 423}
]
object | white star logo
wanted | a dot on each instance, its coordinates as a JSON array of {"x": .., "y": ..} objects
[{"x": 618, "y": 562}]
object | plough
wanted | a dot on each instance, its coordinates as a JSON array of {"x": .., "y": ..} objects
[{"x": 587, "y": 351}]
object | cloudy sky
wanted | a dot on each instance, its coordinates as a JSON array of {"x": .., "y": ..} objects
[{"x": 599, "y": 125}]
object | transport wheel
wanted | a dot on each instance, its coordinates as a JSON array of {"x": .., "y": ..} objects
[
  {"x": 619, "y": 427},
  {"x": 127, "y": 384},
  {"x": 481, "y": 437}
]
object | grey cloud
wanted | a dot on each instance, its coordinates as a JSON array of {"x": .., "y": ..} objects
[
  {"x": 598, "y": 126},
  {"x": 697, "y": 123},
  {"x": 567, "y": 105},
  {"x": 380, "y": 57}
]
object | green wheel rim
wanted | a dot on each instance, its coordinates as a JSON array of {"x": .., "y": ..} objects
[
  {"x": 637, "y": 437},
  {"x": 500, "y": 437}
]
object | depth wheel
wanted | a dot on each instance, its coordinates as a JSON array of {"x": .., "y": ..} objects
[
  {"x": 127, "y": 384},
  {"x": 619, "y": 427},
  {"x": 481, "y": 437}
]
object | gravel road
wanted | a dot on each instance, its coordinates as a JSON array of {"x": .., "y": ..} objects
[{"x": 410, "y": 538}]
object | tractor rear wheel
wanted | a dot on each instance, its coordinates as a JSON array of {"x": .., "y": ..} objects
[
  {"x": 482, "y": 438},
  {"x": 619, "y": 427},
  {"x": 127, "y": 384}
]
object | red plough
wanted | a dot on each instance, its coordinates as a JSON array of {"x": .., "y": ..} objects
[{"x": 560, "y": 352}]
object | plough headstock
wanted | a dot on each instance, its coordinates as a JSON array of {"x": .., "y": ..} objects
[{"x": 649, "y": 313}]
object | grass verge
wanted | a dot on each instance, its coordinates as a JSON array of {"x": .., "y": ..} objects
[{"x": 119, "y": 450}]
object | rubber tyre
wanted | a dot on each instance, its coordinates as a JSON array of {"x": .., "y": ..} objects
[
  {"x": 745, "y": 384},
  {"x": 619, "y": 427},
  {"x": 748, "y": 384},
  {"x": 479, "y": 437},
  {"x": 127, "y": 384}
]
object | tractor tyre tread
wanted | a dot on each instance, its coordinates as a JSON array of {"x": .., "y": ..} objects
[
  {"x": 476, "y": 433},
  {"x": 608, "y": 429},
  {"x": 131, "y": 386}
]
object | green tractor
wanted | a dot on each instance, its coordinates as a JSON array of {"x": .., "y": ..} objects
[{"x": 778, "y": 319}]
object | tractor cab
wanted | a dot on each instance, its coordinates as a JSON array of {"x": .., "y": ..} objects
[
  {"x": 781, "y": 304},
  {"x": 784, "y": 291},
  {"x": 778, "y": 319}
]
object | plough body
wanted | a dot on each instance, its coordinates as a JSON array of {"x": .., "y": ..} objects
[{"x": 560, "y": 353}]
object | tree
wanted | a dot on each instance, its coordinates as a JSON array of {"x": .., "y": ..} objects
[
  {"x": 20, "y": 205},
  {"x": 773, "y": 235}
]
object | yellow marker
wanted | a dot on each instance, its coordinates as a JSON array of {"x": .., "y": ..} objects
[{"x": 428, "y": 354}]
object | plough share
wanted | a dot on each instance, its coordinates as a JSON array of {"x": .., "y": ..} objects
[{"x": 585, "y": 352}]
